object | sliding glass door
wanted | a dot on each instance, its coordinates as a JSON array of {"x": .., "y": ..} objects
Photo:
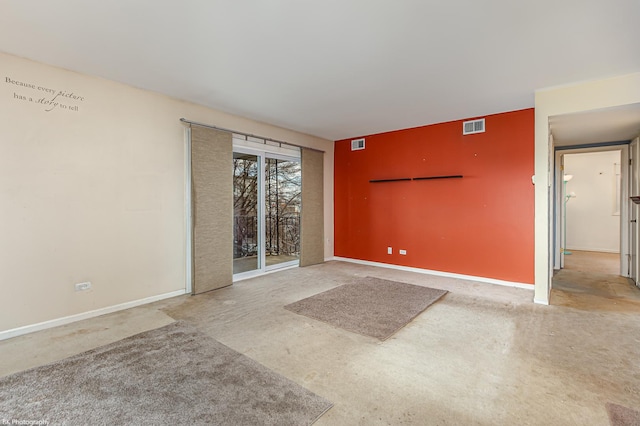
[
  {"x": 246, "y": 200},
  {"x": 282, "y": 211},
  {"x": 267, "y": 205}
]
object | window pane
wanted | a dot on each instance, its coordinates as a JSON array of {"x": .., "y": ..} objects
[
  {"x": 282, "y": 211},
  {"x": 246, "y": 253}
]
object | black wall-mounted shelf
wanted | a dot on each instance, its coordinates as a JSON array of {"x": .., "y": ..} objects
[
  {"x": 438, "y": 177},
  {"x": 389, "y": 180},
  {"x": 416, "y": 178}
]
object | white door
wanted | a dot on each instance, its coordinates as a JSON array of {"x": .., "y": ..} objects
[{"x": 634, "y": 190}]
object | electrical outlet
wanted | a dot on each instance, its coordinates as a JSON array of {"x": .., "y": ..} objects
[
  {"x": 403, "y": 252},
  {"x": 83, "y": 286},
  {"x": 389, "y": 250}
]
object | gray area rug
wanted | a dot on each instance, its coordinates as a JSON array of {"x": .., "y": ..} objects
[
  {"x": 370, "y": 306},
  {"x": 622, "y": 416},
  {"x": 171, "y": 375}
]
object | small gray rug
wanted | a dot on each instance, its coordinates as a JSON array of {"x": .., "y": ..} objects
[
  {"x": 370, "y": 306},
  {"x": 622, "y": 416},
  {"x": 171, "y": 375}
]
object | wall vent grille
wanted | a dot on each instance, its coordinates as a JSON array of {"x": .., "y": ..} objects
[
  {"x": 357, "y": 144},
  {"x": 474, "y": 126}
]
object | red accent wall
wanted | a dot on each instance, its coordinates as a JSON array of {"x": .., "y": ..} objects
[{"x": 480, "y": 225}]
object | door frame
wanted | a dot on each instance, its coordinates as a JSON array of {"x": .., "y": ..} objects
[
  {"x": 559, "y": 205},
  {"x": 633, "y": 210},
  {"x": 188, "y": 213},
  {"x": 260, "y": 212}
]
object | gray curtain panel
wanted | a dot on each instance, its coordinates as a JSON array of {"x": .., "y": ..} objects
[
  {"x": 312, "y": 220},
  {"x": 212, "y": 208}
]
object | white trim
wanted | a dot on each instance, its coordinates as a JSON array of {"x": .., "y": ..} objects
[
  {"x": 188, "y": 216},
  {"x": 630, "y": 212},
  {"x": 14, "y": 332},
  {"x": 258, "y": 273},
  {"x": 261, "y": 158},
  {"x": 265, "y": 146},
  {"x": 541, "y": 302},
  {"x": 437, "y": 273},
  {"x": 595, "y": 250},
  {"x": 558, "y": 208},
  {"x": 282, "y": 265}
]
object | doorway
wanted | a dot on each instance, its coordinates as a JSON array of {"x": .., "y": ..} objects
[
  {"x": 591, "y": 211},
  {"x": 592, "y": 205},
  {"x": 580, "y": 114},
  {"x": 595, "y": 227},
  {"x": 267, "y": 207}
]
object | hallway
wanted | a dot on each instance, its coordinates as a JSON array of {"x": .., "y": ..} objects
[{"x": 591, "y": 280}]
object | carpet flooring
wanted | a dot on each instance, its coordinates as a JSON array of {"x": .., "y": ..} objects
[
  {"x": 171, "y": 375},
  {"x": 622, "y": 416},
  {"x": 370, "y": 306}
]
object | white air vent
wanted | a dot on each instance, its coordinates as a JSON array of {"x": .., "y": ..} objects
[
  {"x": 357, "y": 144},
  {"x": 471, "y": 127}
]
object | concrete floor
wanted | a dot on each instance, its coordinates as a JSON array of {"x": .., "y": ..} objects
[
  {"x": 592, "y": 281},
  {"x": 482, "y": 355}
]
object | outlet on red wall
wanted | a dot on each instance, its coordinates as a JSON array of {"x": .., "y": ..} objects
[{"x": 480, "y": 224}]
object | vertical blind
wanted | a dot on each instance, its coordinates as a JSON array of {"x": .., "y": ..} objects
[
  {"x": 312, "y": 220},
  {"x": 212, "y": 209}
]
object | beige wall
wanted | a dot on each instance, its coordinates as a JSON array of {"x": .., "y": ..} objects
[
  {"x": 94, "y": 190},
  {"x": 623, "y": 90}
]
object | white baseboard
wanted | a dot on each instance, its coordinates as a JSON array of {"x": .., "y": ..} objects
[
  {"x": 541, "y": 302},
  {"x": 7, "y": 334},
  {"x": 437, "y": 273}
]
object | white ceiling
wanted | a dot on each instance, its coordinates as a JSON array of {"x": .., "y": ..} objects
[{"x": 334, "y": 68}]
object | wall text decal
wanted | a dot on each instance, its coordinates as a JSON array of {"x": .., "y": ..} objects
[{"x": 50, "y": 99}]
